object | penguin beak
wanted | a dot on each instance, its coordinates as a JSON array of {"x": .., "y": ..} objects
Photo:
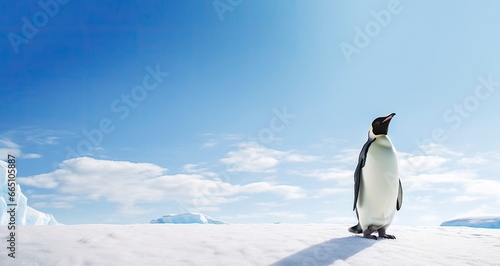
[{"x": 389, "y": 117}]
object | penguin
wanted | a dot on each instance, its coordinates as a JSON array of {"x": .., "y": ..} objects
[{"x": 378, "y": 193}]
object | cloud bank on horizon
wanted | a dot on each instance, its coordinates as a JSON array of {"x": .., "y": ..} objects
[{"x": 442, "y": 178}]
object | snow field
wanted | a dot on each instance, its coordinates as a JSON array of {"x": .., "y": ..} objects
[{"x": 249, "y": 244}]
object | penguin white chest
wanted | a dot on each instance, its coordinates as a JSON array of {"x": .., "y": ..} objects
[{"x": 379, "y": 185}]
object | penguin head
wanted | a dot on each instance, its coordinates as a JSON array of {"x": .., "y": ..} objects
[{"x": 380, "y": 125}]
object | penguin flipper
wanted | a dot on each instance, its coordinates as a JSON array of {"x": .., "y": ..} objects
[
  {"x": 399, "y": 202},
  {"x": 357, "y": 172},
  {"x": 357, "y": 181}
]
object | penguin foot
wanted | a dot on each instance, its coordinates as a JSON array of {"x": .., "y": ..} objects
[
  {"x": 368, "y": 233},
  {"x": 388, "y": 236},
  {"x": 381, "y": 233},
  {"x": 370, "y": 237},
  {"x": 356, "y": 229}
]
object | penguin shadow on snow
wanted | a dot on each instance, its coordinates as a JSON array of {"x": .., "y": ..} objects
[{"x": 328, "y": 252}]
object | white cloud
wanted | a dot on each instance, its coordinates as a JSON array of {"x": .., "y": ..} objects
[
  {"x": 32, "y": 156},
  {"x": 437, "y": 149},
  {"x": 452, "y": 178},
  {"x": 53, "y": 205},
  {"x": 333, "y": 191},
  {"x": 270, "y": 204},
  {"x": 298, "y": 158},
  {"x": 35, "y": 135},
  {"x": 193, "y": 168},
  {"x": 438, "y": 171},
  {"x": 418, "y": 204},
  {"x": 429, "y": 218},
  {"x": 347, "y": 156},
  {"x": 196, "y": 168},
  {"x": 480, "y": 159},
  {"x": 327, "y": 174},
  {"x": 129, "y": 183},
  {"x": 209, "y": 144},
  {"x": 410, "y": 163},
  {"x": 47, "y": 181},
  {"x": 8, "y": 147},
  {"x": 255, "y": 158},
  {"x": 481, "y": 211},
  {"x": 473, "y": 161},
  {"x": 252, "y": 157},
  {"x": 433, "y": 181},
  {"x": 203, "y": 209},
  {"x": 55, "y": 197},
  {"x": 329, "y": 144},
  {"x": 465, "y": 199},
  {"x": 288, "y": 192},
  {"x": 484, "y": 187},
  {"x": 43, "y": 140}
]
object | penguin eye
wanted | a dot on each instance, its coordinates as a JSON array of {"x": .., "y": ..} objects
[{"x": 376, "y": 124}]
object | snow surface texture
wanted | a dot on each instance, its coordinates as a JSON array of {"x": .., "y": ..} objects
[
  {"x": 478, "y": 222},
  {"x": 25, "y": 215},
  {"x": 249, "y": 244},
  {"x": 186, "y": 218}
]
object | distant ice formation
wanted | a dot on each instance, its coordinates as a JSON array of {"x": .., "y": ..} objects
[
  {"x": 186, "y": 218},
  {"x": 478, "y": 222},
  {"x": 25, "y": 215}
]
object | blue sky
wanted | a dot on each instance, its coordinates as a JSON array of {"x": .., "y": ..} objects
[{"x": 256, "y": 111}]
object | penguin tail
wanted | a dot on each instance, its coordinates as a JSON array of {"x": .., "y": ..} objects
[{"x": 356, "y": 229}]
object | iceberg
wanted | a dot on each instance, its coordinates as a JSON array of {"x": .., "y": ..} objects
[
  {"x": 477, "y": 222},
  {"x": 186, "y": 218},
  {"x": 25, "y": 215}
]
